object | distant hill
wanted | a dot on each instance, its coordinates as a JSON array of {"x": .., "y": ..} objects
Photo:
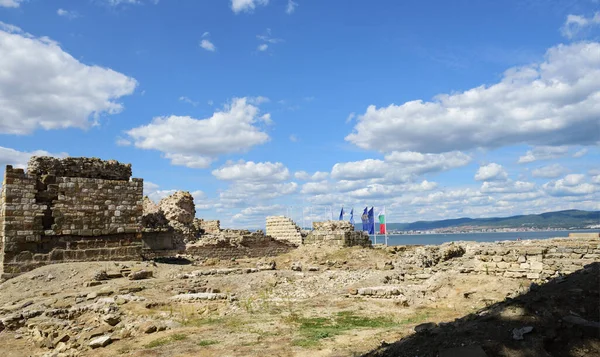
[{"x": 559, "y": 219}]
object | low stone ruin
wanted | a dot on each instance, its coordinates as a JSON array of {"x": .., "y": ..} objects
[
  {"x": 337, "y": 233},
  {"x": 284, "y": 228},
  {"x": 207, "y": 227}
]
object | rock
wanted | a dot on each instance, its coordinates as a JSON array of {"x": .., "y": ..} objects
[
  {"x": 270, "y": 265},
  {"x": 101, "y": 275},
  {"x": 296, "y": 266},
  {"x": 313, "y": 268},
  {"x": 92, "y": 283},
  {"x": 12, "y": 321},
  {"x": 519, "y": 332},
  {"x": 148, "y": 327},
  {"x": 63, "y": 337},
  {"x": 140, "y": 274},
  {"x": 101, "y": 341},
  {"x": 199, "y": 296},
  {"x": 112, "y": 319},
  {"x": 428, "y": 326}
]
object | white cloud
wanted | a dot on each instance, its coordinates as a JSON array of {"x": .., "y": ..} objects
[
  {"x": 19, "y": 159},
  {"x": 350, "y": 117},
  {"x": 197, "y": 142},
  {"x": 293, "y": 138},
  {"x": 206, "y": 34},
  {"x": 580, "y": 153},
  {"x": 246, "y": 5},
  {"x": 10, "y": 3},
  {"x": 491, "y": 172},
  {"x": 207, "y": 45},
  {"x": 305, "y": 176},
  {"x": 596, "y": 179},
  {"x": 418, "y": 163},
  {"x": 357, "y": 170},
  {"x": 44, "y": 87},
  {"x": 250, "y": 171},
  {"x": 266, "y": 118},
  {"x": 68, "y": 14},
  {"x": 507, "y": 186},
  {"x": 570, "y": 185},
  {"x": 549, "y": 171},
  {"x": 575, "y": 24},
  {"x": 550, "y": 103},
  {"x": 291, "y": 7},
  {"x": 315, "y": 188},
  {"x": 543, "y": 153},
  {"x": 188, "y": 100},
  {"x": 262, "y": 47}
]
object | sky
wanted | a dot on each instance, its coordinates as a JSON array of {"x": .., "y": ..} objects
[{"x": 431, "y": 109}]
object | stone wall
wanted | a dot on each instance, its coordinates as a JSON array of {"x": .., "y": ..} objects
[
  {"x": 54, "y": 213},
  {"x": 237, "y": 244},
  {"x": 208, "y": 227},
  {"x": 283, "y": 228},
  {"x": 337, "y": 233},
  {"x": 531, "y": 259}
]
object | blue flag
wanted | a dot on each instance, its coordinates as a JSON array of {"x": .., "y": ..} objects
[
  {"x": 365, "y": 220},
  {"x": 342, "y": 214},
  {"x": 371, "y": 222},
  {"x": 352, "y": 217}
]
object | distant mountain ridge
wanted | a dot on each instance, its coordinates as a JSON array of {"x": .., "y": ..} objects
[{"x": 558, "y": 219}]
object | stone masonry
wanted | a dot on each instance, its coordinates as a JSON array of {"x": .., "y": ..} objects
[
  {"x": 337, "y": 233},
  {"x": 531, "y": 259},
  {"x": 69, "y": 209},
  {"x": 208, "y": 227},
  {"x": 284, "y": 228}
]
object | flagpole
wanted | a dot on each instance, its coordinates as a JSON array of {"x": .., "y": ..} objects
[{"x": 385, "y": 225}]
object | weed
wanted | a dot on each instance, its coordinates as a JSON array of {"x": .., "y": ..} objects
[
  {"x": 315, "y": 329},
  {"x": 166, "y": 340},
  {"x": 207, "y": 342}
]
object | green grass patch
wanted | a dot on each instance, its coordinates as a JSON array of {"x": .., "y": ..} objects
[
  {"x": 314, "y": 329},
  {"x": 207, "y": 342},
  {"x": 166, "y": 340},
  {"x": 415, "y": 319}
]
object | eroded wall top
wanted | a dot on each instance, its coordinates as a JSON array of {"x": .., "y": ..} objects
[{"x": 79, "y": 167}]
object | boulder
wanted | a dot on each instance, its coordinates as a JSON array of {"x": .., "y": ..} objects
[{"x": 101, "y": 341}]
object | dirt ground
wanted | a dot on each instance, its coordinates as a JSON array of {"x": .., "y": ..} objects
[{"x": 314, "y": 311}]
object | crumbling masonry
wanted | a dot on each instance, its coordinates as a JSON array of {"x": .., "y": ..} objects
[{"x": 72, "y": 209}]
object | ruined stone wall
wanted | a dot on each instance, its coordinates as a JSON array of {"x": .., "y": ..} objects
[
  {"x": 209, "y": 227},
  {"x": 337, "y": 233},
  {"x": 237, "y": 244},
  {"x": 532, "y": 259},
  {"x": 47, "y": 218},
  {"x": 283, "y": 228}
]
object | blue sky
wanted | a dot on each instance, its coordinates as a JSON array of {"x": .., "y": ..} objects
[{"x": 433, "y": 109}]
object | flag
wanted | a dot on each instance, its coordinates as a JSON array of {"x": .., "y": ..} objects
[
  {"x": 381, "y": 216},
  {"x": 371, "y": 223},
  {"x": 365, "y": 220},
  {"x": 342, "y": 214},
  {"x": 352, "y": 217}
]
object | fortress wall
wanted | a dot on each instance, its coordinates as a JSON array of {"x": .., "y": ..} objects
[
  {"x": 53, "y": 213},
  {"x": 283, "y": 228}
]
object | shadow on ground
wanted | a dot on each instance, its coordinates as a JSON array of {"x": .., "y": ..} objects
[{"x": 562, "y": 313}]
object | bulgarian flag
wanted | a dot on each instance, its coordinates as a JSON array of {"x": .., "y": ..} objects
[{"x": 381, "y": 216}]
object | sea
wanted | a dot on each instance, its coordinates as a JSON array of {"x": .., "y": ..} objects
[{"x": 431, "y": 239}]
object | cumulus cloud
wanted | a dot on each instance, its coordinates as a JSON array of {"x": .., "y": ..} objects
[
  {"x": 543, "y": 153},
  {"x": 19, "y": 159},
  {"x": 570, "y": 185},
  {"x": 314, "y": 188},
  {"x": 305, "y": 176},
  {"x": 10, "y": 3},
  {"x": 357, "y": 170},
  {"x": 262, "y": 47},
  {"x": 291, "y": 7},
  {"x": 507, "y": 186},
  {"x": 576, "y": 24},
  {"x": 250, "y": 171},
  {"x": 44, "y": 87},
  {"x": 197, "y": 142},
  {"x": 207, "y": 45},
  {"x": 247, "y": 5},
  {"x": 418, "y": 163},
  {"x": 580, "y": 153},
  {"x": 491, "y": 172},
  {"x": 187, "y": 100},
  {"x": 549, "y": 171},
  {"x": 550, "y": 103}
]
